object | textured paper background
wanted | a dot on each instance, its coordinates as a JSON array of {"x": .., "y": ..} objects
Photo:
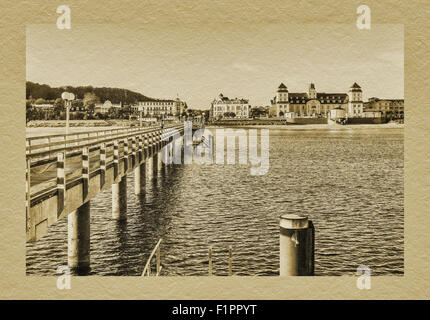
[{"x": 202, "y": 14}]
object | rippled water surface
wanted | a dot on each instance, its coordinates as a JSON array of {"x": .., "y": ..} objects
[{"x": 348, "y": 182}]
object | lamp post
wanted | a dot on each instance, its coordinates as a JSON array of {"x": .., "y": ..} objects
[{"x": 68, "y": 97}]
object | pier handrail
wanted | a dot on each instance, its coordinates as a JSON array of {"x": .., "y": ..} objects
[
  {"x": 147, "y": 269},
  {"x": 108, "y": 136}
]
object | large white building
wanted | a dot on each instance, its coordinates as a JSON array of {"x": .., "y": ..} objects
[
  {"x": 232, "y": 108},
  {"x": 316, "y": 104},
  {"x": 161, "y": 107}
]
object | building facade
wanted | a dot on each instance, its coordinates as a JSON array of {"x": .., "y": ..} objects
[
  {"x": 234, "y": 108},
  {"x": 161, "y": 107},
  {"x": 388, "y": 108},
  {"x": 316, "y": 104}
]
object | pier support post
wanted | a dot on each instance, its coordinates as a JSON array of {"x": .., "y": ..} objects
[
  {"x": 155, "y": 165},
  {"x": 296, "y": 246},
  {"x": 139, "y": 178},
  {"x": 78, "y": 227},
  {"x": 119, "y": 199}
]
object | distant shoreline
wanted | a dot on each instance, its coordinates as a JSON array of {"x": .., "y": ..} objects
[{"x": 313, "y": 126}]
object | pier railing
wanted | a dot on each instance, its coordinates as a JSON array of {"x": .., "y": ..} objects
[
  {"x": 62, "y": 178},
  {"x": 48, "y": 146}
]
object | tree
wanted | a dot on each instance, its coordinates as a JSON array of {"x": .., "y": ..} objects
[{"x": 90, "y": 100}]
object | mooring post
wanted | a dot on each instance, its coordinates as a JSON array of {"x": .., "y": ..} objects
[
  {"x": 78, "y": 234},
  {"x": 296, "y": 246}
]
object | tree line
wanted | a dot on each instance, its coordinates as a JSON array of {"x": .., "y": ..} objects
[{"x": 115, "y": 95}]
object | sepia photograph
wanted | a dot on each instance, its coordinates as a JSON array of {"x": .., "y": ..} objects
[{"x": 270, "y": 150}]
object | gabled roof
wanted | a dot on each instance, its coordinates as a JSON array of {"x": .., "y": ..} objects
[
  {"x": 282, "y": 86},
  {"x": 355, "y": 86}
]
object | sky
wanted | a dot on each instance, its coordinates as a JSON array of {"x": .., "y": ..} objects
[{"x": 198, "y": 63}]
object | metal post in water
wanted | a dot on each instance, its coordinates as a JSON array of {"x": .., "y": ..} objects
[{"x": 296, "y": 246}]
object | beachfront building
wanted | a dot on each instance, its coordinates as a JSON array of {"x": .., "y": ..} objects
[
  {"x": 161, "y": 107},
  {"x": 388, "y": 108},
  {"x": 104, "y": 107},
  {"x": 223, "y": 107},
  {"x": 316, "y": 104}
]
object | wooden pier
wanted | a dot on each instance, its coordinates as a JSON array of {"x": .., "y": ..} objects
[{"x": 64, "y": 172}]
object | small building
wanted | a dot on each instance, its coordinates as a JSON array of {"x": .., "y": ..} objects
[
  {"x": 337, "y": 113},
  {"x": 104, "y": 107}
]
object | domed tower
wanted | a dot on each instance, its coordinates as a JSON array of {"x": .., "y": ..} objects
[
  {"x": 282, "y": 104},
  {"x": 312, "y": 92},
  {"x": 355, "y": 101}
]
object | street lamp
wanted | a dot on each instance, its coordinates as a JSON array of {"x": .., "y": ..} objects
[{"x": 68, "y": 97}]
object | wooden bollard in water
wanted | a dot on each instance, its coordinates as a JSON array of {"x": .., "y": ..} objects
[{"x": 296, "y": 246}]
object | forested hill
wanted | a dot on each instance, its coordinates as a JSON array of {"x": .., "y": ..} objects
[{"x": 115, "y": 95}]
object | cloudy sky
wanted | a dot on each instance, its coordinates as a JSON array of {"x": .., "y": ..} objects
[{"x": 197, "y": 63}]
